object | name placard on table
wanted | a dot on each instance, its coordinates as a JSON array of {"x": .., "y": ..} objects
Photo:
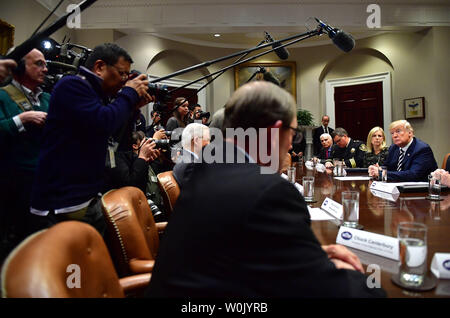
[
  {"x": 440, "y": 265},
  {"x": 385, "y": 187},
  {"x": 333, "y": 208},
  {"x": 378, "y": 244}
]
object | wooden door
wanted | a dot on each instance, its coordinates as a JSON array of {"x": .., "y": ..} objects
[{"x": 359, "y": 108}]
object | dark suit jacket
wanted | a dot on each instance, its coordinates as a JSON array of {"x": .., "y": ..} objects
[
  {"x": 237, "y": 232},
  {"x": 323, "y": 156},
  {"x": 418, "y": 163},
  {"x": 316, "y": 138}
]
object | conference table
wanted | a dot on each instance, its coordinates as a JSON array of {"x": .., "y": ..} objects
[{"x": 382, "y": 216}]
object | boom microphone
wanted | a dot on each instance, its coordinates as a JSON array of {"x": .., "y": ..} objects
[
  {"x": 281, "y": 52},
  {"x": 341, "y": 39}
]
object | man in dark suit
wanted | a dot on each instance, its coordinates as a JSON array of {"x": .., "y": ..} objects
[
  {"x": 237, "y": 230},
  {"x": 409, "y": 158},
  {"x": 325, "y": 151},
  {"x": 324, "y": 129},
  {"x": 347, "y": 149}
]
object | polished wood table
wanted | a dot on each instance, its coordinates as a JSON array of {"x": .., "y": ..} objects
[{"x": 382, "y": 216}]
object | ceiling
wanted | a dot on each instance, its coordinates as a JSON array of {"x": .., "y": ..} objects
[{"x": 241, "y": 22}]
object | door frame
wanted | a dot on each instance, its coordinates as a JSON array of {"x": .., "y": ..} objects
[{"x": 385, "y": 78}]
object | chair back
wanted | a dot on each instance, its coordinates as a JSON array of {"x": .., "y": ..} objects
[
  {"x": 69, "y": 259},
  {"x": 446, "y": 163},
  {"x": 132, "y": 234},
  {"x": 170, "y": 190}
]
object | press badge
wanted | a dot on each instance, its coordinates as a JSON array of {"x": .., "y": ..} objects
[{"x": 112, "y": 158}]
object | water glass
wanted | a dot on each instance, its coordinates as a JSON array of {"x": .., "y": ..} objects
[
  {"x": 339, "y": 168},
  {"x": 350, "y": 203},
  {"x": 413, "y": 253},
  {"x": 308, "y": 189},
  {"x": 434, "y": 187},
  {"x": 291, "y": 174}
]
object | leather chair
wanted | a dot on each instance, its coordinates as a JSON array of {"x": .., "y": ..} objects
[
  {"x": 170, "y": 190},
  {"x": 132, "y": 236},
  {"x": 42, "y": 266},
  {"x": 446, "y": 163}
]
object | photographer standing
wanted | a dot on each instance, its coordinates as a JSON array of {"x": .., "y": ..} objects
[
  {"x": 23, "y": 111},
  {"x": 81, "y": 118}
]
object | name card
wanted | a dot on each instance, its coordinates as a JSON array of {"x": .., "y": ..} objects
[
  {"x": 385, "y": 195},
  {"x": 384, "y": 187},
  {"x": 377, "y": 244},
  {"x": 440, "y": 265},
  {"x": 332, "y": 207}
]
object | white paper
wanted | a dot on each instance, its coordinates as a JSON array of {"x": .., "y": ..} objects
[
  {"x": 377, "y": 244},
  {"x": 440, "y": 265},
  {"x": 333, "y": 208},
  {"x": 317, "y": 214},
  {"x": 352, "y": 178}
]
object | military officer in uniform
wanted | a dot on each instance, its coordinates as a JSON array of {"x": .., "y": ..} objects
[{"x": 346, "y": 149}]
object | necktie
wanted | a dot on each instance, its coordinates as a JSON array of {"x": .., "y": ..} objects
[
  {"x": 327, "y": 152},
  {"x": 400, "y": 160}
]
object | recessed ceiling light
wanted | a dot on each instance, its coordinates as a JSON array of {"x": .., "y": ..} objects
[{"x": 217, "y": 35}]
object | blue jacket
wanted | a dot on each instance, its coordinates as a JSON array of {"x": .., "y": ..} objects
[
  {"x": 418, "y": 163},
  {"x": 73, "y": 154}
]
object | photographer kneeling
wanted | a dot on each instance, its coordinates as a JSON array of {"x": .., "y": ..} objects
[{"x": 132, "y": 168}]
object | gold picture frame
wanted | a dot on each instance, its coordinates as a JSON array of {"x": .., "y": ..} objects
[
  {"x": 6, "y": 37},
  {"x": 414, "y": 107},
  {"x": 283, "y": 72}
]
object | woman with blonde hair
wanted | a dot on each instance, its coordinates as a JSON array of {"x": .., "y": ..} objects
[{"x": 377, "y": 150}]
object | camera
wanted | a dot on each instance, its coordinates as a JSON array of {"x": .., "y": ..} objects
[
  {"x": 162, "y": 143},
  {"x": 161, "y": 93},
  {"x": 204, "y": 115}
]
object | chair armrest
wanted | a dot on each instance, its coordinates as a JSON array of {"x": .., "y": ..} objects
[
  {"x": 139, "y": 266},
  {"x": 134, "y": 284},
  {"x": 161, "y": 226}
]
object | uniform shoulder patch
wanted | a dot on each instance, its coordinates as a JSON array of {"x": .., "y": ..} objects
[{"x": 363, "y": 147}]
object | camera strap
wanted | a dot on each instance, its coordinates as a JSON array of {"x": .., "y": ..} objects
[{"x": 18, "y": 97}]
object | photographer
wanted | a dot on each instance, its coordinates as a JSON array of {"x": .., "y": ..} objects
[
  {"x": 180, "y": 116},
  {"x": 80, "y": 121},
  {"x": 155, "y": 125},
  {"x": 23, "y": 112},
  {"x": 133, "y": 168}
]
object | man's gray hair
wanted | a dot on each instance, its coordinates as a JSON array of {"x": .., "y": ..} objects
[
  {"x": 326, "y": 135},
  {"x": 259, "y": 104},
  {"x": 404, "y": 123},
  {"x": 192, "y": 131}
]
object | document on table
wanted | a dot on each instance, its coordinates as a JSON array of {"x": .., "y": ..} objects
[
  {"x": 352, "y": 178},
  {"x": 317, "y": 214}
]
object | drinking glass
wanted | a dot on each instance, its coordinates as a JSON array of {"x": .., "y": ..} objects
[
  {"x": 350, "y": 203},
  {"x": 413, "y": 253},
  {"x": 434, "y": 187},
  {"x": 291, "y": 174},
  {"x": 308, "y": 189}
]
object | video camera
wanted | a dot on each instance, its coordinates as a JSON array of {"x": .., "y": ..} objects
[{"x": 62, "y": 59}]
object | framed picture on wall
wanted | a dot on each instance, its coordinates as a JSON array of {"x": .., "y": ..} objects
[
  {"x": 283, "y": 73},
  {"x": 415, "y": 107}
]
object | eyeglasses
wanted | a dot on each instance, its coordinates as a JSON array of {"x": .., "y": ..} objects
[
  {"x": 295, "y": 130},
  {"x": 41, "y": 64},
  {"x": 123, "y": 75}
]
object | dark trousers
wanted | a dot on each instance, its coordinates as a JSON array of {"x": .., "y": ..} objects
[
  {"x": 15, "y": 194},
  {"x": 93, "y": 215}
]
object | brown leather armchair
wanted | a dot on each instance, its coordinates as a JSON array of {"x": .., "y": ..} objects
[
  {"x": 170, "y": 190},
  {"x": 44, "y": 266},
  {"x": 132, "y": 236}
]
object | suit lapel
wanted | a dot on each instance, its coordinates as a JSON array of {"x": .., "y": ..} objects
[{"x": 409, "y": 152}]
